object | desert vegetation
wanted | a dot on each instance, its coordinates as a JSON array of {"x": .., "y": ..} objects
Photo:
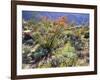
[{"x": 50, "y": 43}]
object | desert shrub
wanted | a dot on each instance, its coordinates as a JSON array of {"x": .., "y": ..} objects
[
  {"x": 86, "y": 35},
  {"x": 45, "y": 64},
  {"x": 66, "y": 56},
  {"x": 26, "y": 50}
]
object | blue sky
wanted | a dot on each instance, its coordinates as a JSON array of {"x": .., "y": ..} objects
[{"x": 78, "y": 18}]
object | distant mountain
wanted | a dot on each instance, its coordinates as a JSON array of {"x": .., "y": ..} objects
[{"x": 77, "y": 18}]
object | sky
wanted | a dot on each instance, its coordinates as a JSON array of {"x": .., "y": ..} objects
[{"x": 78, "y": 18}]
